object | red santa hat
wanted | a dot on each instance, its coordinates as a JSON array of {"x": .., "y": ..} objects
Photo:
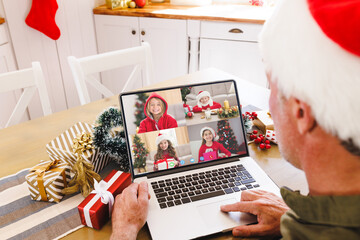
[
  {"x": 311, "y": 48},
  {"x": 202, "y": 94},
  {"x": 211, "y": 130},
  {"x": 162, "y": 137}
]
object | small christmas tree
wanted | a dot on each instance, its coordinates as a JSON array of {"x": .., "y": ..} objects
[
  {"x": 139, "y": 108},
  {"x": 184, "y": 92},
  {"x": 227, "y": 137},
  {"x": 140, "y": 153}
]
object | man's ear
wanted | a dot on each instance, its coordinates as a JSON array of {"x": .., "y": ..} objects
[{"x": 304, "y": 119}]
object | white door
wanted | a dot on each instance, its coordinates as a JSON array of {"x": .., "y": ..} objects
[
  {"x": 239, "y": 58},
  {"x": 169, "y": 44},
  {"x": 114, "y": 33}
]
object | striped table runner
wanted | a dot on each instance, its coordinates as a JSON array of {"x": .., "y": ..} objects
[{"x": 23, "y": 218}]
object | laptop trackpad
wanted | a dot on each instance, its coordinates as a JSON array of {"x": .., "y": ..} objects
[{"x": 213, "y": 217}]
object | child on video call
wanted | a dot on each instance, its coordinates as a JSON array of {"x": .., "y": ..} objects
[
  {"x": 165, "y": 150},
  {"x": 210, "y": 147},
  {"x": 204, "y": 101},
  {"x": 156, "y": 115}
]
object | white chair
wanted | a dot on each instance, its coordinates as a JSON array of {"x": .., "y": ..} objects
[
  {"x": 83, "y": 68},
  {"x": 29, "y": 80}
]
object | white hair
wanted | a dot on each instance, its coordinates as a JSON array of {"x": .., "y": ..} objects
[{"x": 308, "y": 65}]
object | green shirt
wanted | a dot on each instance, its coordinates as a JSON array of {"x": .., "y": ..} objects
[{"x": 320, "y": 217}]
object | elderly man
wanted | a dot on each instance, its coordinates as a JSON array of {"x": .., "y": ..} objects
[{"x": 311, "y": 51}]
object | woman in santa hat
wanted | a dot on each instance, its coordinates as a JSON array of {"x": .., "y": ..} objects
[
  {"x": 204, "y": 101},
  {"x": 210, "y": 148}
]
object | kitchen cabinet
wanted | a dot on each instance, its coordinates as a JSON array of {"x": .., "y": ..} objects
[
  {"x": 167, "y": 37},
  {"x": 233, "y": 48}
]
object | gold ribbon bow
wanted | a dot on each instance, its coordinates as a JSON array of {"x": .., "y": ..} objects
[
  {"x": 84, "y": 174},
  {"x": 82, "y": 143},
  {"x": 40, "y": 170}
]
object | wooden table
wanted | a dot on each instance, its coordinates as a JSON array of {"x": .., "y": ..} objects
[{"x": 23, "y": 145}]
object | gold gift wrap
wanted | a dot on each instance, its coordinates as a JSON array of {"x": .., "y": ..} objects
[
  {"x": 47, "y": 179},
  {"x": 62, "y": 147}
]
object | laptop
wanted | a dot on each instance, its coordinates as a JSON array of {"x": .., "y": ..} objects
[{"x": 209, "y": 171}]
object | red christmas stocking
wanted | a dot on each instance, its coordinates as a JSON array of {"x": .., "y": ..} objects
[{"x": 42, "y": 18}]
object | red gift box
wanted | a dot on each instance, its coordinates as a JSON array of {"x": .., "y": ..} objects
[{"x": 93, "y": 212}]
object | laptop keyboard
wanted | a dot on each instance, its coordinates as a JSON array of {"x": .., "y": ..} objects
[{"x": 203, "y": 185}]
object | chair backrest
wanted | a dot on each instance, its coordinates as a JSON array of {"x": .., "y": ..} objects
[
  {"x": 29, "y": 80},
  {"x": 83, "y": 68}
]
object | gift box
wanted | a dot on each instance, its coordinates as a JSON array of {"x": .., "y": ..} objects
[
  {"x": 271, "y": 136},
  {"x": 165, "y": 163},
  {"x": 47, "y": 179},
  {"x": 96, "y": 208},
  {"x": 61, "y": 148},
  {"x": 208, "y": 156},
  {"x": 264, "y": 121},
  {"x": 113, "y": 4}
]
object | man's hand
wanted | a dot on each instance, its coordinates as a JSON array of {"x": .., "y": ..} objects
[
  {"x": 130, "y": 211},
  {"x": 266, "y": 206}
]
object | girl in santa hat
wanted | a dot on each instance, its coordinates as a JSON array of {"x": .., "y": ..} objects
[
  {"x": 165, "y": 152},
  {"x": 210, "y": 148},
  {"x": 157, "y": 118},
  {"x": 204, "y": 101}
]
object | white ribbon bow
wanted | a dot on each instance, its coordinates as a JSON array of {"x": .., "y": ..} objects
[{"x": 100, "y": 189}]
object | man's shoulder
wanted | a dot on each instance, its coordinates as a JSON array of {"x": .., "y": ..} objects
[
  {"x": 293, "y": 227},
  {"x": 320, "y": 217}
]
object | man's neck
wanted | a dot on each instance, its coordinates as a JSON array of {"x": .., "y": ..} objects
[{"x": 330, "y": 169}]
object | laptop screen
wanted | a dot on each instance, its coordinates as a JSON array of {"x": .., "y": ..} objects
[{"x": 181, "y": 126}]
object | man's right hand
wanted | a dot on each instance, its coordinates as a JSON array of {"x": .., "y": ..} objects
[
  {"x": 130, "y": 211},
  {"x": 266, "y": 206}
]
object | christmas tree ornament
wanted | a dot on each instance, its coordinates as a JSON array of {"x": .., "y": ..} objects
[
  {"x": 109, "y": 142},
  {"x": 260, "y": 140},
  {"x": 42, "y": 18}
]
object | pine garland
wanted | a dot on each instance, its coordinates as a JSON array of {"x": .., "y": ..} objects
[{"x": 115, "y": 146}]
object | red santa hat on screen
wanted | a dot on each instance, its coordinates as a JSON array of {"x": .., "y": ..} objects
[
  {"x": 202, "y": 94},
  {"x": 312, "y": 50},
  {"x": 211, "y": 130},
  {"x": 162, "y": 137}
]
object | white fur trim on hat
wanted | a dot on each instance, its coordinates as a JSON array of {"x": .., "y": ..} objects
[
  {"x": 162, "y": 137},
  {"x": 211, "y": 130},
  {"x": 202, "y": 94},
  {"x": 308, "y": 65}
]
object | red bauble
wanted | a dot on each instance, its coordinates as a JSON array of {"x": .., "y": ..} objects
[
  {"x": 267, "y": 142},
  {"x": 258, "y": 140},
  {"x": 268, "y": 146},
  {"x": 255, "y": 132},
  {"x": 262, "y": 145},
  {"x": 189, "y": 114}
]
